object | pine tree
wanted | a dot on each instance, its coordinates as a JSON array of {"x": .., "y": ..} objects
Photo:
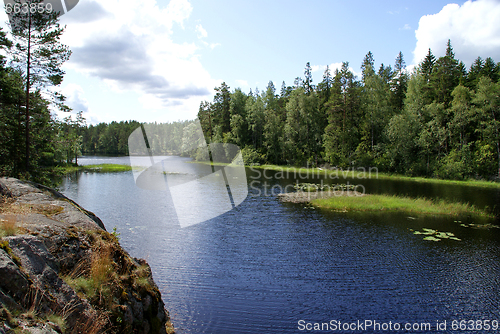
[
  {"x": 399, "y": 82},
  {"x": 38, "y": 55},
  {"x": 490, "y": 69},
  {"x": 427, "y": 65},
  {"x": 445, "y": 76},
  {"x": 221, "y": 109},
  {"x": 367, "y": 67}
]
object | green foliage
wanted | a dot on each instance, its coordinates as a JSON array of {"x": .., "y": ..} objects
[
  {"x": 457, "y": 165},
  {"x": 251, "y": 156},
  {"x": 439, "y": 120},
  {"x": 115, "y": 233}
]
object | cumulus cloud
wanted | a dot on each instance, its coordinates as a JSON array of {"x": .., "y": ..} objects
[
  {"x": 129, "y": 45},
  {"x": 473, "y": 28},
  {"x": 75, "y": 98},
  {"x": 201, "y": 32}
]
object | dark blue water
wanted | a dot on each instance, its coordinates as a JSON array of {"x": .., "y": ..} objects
[{"x": 264, "y": 266}]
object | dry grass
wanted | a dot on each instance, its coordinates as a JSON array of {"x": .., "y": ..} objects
[
  {"x": 102, "y": 264},
  {"x": 8, "y": 226},
  {"x": 10, "y": 206},
  {"x": 93, "y": 278},
  {"x": 94, "y": 325}
]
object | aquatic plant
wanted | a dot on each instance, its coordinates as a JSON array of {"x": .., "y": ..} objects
[{"x": 435, "y": 235}]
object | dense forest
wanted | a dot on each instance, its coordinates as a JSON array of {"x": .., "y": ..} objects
[{"x": 441, "y": 120}]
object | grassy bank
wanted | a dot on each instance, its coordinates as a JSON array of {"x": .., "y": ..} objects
[
  {"x": 104, "y": 168},
  {"x": 372, "y": 174},
  {"x": 377, "y": 203}
]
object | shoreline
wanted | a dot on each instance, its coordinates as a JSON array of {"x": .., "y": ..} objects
[{"x": 360, "y": 173}]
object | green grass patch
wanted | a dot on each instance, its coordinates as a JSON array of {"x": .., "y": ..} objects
[
  {"x": 104, "y": 168},
  {"x": 470, "y": 183},
  {"x": 372, "y": 174},
  {"x": 379, "y": 203}
]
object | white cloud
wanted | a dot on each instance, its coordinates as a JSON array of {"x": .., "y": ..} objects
[
  {"x": 406, "y": 27},
  {"x": 129, "y": 46},
  {"x": 473, "y": 28},
  {"x": 214, "y": 45},
  {"x": 75, "y": 98},
  {"x": 202, "y": 33}
]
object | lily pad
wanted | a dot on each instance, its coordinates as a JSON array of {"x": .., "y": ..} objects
[{"x": 434, "y": 235}]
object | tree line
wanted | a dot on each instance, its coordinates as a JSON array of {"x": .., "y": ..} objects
[
  {"x": 440, "y": 120},
  {"x": 112, "y": 138}
]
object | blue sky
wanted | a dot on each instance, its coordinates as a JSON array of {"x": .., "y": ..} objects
[{"x": 156, "y": 60}]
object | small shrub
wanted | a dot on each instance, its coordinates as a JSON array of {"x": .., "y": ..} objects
[{"x": 115, "y": 233}]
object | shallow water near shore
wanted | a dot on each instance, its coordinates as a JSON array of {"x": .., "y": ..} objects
[{"x": 266, "y": 265}]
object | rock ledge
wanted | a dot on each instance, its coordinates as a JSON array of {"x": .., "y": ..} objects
[{"x": 61, "y": 272}]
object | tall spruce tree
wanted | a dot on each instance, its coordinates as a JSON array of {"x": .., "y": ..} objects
[
  {"x": 445, "y": 76},
  {"x": 427, "y": 65},
  {"x": 399, "y": 82}
]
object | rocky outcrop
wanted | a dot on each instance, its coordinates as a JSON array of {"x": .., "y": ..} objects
[{"x": 61, "y": 272}]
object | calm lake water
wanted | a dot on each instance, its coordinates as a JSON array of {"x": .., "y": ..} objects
[{"x": 264, "y": 266}]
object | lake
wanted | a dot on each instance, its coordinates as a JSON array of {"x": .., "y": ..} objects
[{"x": 270, "y": 267}]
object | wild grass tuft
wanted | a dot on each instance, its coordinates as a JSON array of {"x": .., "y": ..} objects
[
  {"x": 94, "y": 280},
  {"x": 397, "y": 203},
  {"x": 8, "y": 226}
]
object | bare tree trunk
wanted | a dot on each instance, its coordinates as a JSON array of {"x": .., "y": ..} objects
[{"x": 28, "y": 68}]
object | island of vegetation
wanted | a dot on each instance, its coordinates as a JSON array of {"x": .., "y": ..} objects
[{"x": 346, "y": 198}]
